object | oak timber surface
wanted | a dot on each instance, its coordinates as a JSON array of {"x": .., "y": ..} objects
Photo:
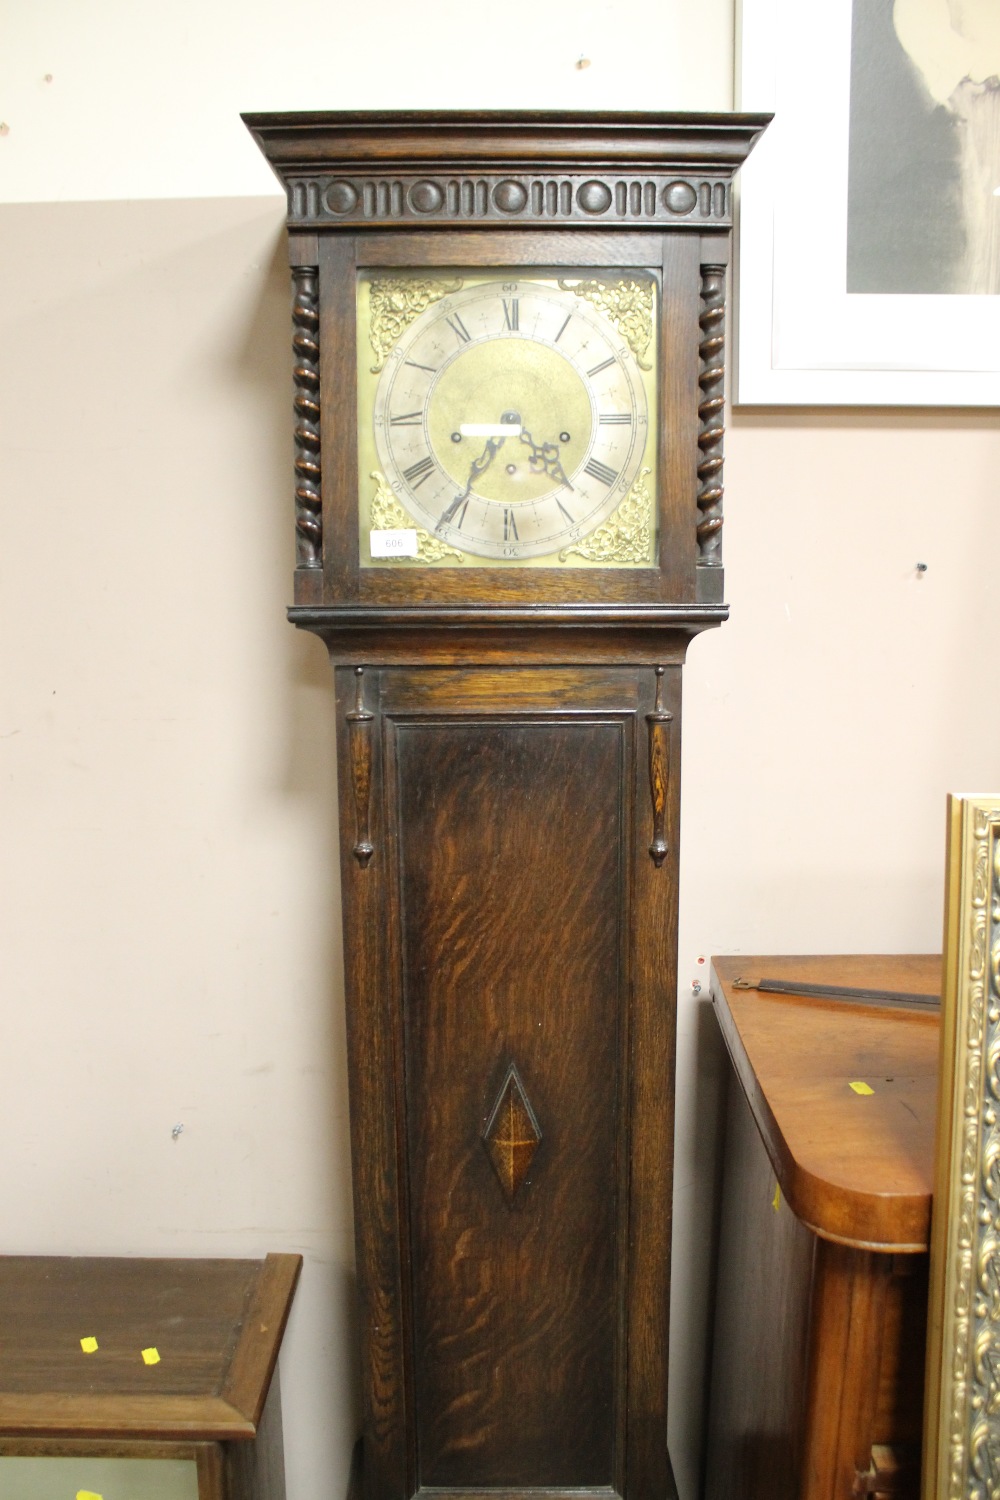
[
  {"x": 856, "y": 1169},
  {"x": 514, "y": 1296}
]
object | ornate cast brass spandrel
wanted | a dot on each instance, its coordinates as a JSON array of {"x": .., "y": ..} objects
[
  {"x": 658, "y": 722},
  {"x": 359, "y": 721},
  {"x": 625, "y": 536},
  {"x": 388, "y": 515},
  {"x": 628, "y": 304},
  {"x": 394, "y": 304},
  {"x": 512, "y": 1135}
]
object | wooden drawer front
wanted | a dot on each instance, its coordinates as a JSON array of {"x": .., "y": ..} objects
[
  {"x": 512, "y": 1027},
  {"x": 46, "y": 1478}
]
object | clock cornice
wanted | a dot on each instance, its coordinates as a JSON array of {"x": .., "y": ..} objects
[
  {"x": 517, "y": 169},
  {"x": 492, "y": 137}
]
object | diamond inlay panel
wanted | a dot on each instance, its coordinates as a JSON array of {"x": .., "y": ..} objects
[{"x": 512, "y": 1135}]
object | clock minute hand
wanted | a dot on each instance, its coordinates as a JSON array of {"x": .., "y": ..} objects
[
  {"x": 479, "y": 466},
  {"x": 544, "y": 459}
]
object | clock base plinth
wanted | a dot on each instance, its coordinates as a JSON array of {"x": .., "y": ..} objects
[{"x": 356, "y": 1487}]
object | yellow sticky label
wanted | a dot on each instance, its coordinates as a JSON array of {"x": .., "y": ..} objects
[
  {"x": 776, "y": 1200},
  {"x": 151, "y": 1356},
  {"x": 88, "y": 1346},
  {"x": 862, "y": 1088},
  {"x": 88, "y": 1495}
]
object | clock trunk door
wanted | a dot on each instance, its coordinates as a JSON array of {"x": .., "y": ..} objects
[{"x": 515, "y": 1044}]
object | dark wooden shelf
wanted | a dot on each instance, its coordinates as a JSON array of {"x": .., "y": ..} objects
[{"x": 216, "y": 1325}]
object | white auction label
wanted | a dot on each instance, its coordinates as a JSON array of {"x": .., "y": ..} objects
[{"x": 400, "y": 543}]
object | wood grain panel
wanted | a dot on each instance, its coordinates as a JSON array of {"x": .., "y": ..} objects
[
  {"x": 761, "y": 1326},
  {"x": 514, "y": 1304},
  {"x": 356, "y": 637},
  {"x": 899, "y": 1411},
  {"x": 252, "y": 1370},
  {"x": 525, "y": 248},
  {"x": 845, "y": 1336},
  {"x": 517, "y": 691},
  {"x": 648, "y": 1125},
  {"x": 130, "y": 1416},
  {"x": 373, "y": 1053},
  {"x": 256, "y": 1471}
]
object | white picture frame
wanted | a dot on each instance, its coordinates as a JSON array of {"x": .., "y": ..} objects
[{"x": 801, "y": 339}]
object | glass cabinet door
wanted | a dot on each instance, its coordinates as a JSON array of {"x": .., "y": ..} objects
[{"x": 90, "y": 1478}]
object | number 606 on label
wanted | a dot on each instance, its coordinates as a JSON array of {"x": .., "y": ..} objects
[{"x": 396, "y": 543}]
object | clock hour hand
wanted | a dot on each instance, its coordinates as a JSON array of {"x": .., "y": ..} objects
[
  {"x": 544, "y": 459},
  {"x": 479, "y": 466}
]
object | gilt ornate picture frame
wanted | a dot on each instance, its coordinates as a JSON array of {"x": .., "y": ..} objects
[{"x": 962, "y": 1405}]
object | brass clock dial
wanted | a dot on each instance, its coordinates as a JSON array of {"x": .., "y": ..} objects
[{"x": 510, "y": 420}]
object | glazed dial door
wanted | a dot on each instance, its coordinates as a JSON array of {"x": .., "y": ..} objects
[{"x": 510, "y": 419}]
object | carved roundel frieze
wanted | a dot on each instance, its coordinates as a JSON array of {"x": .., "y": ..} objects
[
  {"x": 510, "y": 196},
  {"x": 679, "y": 197},
  {"x": 341, "y": 197},
  {"x": 426, "y": 197},
  {"x": 594, "y": 197},
  {"x": 382, "y": 198}
]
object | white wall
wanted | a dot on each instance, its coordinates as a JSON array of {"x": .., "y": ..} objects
[
  {"x": 825, "y": 724},
  {"x": 145, "y": 98},
  {"x": 169, "y": 923}
]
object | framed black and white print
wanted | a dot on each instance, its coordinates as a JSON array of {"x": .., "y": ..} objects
[{"x": 869, "y": 223}]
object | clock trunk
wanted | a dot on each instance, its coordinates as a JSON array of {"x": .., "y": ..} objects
[{"x": 508, "y": 1016}]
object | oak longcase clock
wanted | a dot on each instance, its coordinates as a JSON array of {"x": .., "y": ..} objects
[{"x": 509, "y": 337}]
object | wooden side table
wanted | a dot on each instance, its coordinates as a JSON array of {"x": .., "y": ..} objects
[
  {"x": 821, "y": 1303},
  {"x": 178, "y": 1400}
]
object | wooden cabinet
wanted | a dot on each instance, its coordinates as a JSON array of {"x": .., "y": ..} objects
[
  {"x": 142, "y": 1379},
  {"x": 821, "y": 1310}
]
